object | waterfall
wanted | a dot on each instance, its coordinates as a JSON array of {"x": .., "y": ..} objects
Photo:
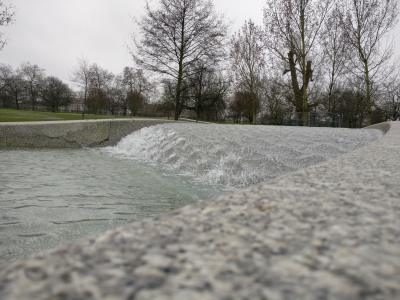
[{"x": 238, "y": 156}]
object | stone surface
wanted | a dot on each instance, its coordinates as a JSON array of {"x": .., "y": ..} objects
[
  {"x": 331, "y": 231},
  {"x": 70, "y": 134}
]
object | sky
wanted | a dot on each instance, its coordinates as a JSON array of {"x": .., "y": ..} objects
[{"x": 54, "y": 34}]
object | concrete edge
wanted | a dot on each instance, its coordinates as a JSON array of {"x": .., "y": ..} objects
[
  {"x": 70, "y": 134},
  {"x": 384, "y": 127}
]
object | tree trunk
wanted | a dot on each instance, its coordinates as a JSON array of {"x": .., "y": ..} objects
[
  {"x": 178, "y": 95},
  {"x": 33, "y": 100},
  {"x": 368, "y": 93},
  {"x": 255, "y": 102},
  {"x": 84, "y": 103},
  {"x": 298, "y": 98},
  {"x": 16, "y": 101},
  {"x": 178, "y": 100}
]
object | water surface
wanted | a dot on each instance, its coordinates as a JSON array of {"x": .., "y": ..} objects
[
  {"x": 49, "y": 198},
  {"x": 52, "y": 197}
]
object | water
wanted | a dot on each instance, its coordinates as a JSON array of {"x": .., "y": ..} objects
[
  {"x": 52, "y": 197},
  {"x": 238, "y": 156},
  {"x": 49, "y": 198}
]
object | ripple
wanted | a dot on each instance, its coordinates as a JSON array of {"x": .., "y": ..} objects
[
  {"x": 9, "y": 223},
  {"x": 125, "y": 213},
  {"x": 237, "y": 156},
  {"x": 33, "y": 235},
  {"x": 25, "y": 206},
  {"x": 79, "y": 221}
]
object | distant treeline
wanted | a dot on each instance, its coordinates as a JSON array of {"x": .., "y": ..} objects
[
  {"x": 311, "y": 62},
  {"x": 28, "y": 87}
]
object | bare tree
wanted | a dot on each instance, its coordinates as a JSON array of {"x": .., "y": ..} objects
[
  {"x": 12, "y": 84},
  {"x": 6, "y": 73},
  {"x": 293, "y": 29},
  {"x": 56, "y": 93},
  {"x": 207, "y": 93},
  {"x": 6, "y": 17},
  {"x": 16, "y": 88},
  {"x": 390, "y": 100},
  {"x": 175, "y": 36},
  {"x": 137, "y": 87},
  {"x": 100, "y": 84},
  {"x": 33, "y": 76},
  {"x": 366, "y": 23},
  {"x": 117, "y": 95},
  {"x": 276, "y": 93},
  {"x": 394, "y": 104},
  {"x": 135, "y": 80},
  {"x": 336, "y": 51},
  {"x": 167, "y": 103},
  {"x": 248, "y": 64},
  {"x": 81, "y": 77}
]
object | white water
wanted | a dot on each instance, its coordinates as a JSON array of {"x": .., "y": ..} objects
[{"x": 238, "y": 156}]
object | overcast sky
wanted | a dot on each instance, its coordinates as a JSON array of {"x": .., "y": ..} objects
[{"x": 55, "y": 33}]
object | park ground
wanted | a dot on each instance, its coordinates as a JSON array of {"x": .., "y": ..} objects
[{"x": 13, "y": 115}]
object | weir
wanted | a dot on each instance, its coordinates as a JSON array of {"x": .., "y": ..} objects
[{"x": 238, "y": 156}]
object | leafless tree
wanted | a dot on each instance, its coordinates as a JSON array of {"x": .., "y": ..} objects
[
  {"x": 100, "y": 83},
  {"x": 33, "y": 75},
  {"x": 137, "y": 87},
  {"x": 135, "y": 80},
  {"x": 292, "y": 29},
  {"x": 177, "y": 34},
  {"x": 336, "y": 51},
  {"x": 207, "y": 92},
  {"x": 16, "y": 87},
  {"x": 275, "y": 100},
  {"x": 248, "y": 63},
  {"x": 389, "y": 100},
  {"x": 167, "y": 103},
  {"x": 6, "y": 17},
  {"x": 6, "y": 73},
  {"x": 55, "y": 93},
  {"x": 117, "y": 95},
  {"x": 366, "y": 24},
  {"x": 81, "y": 77}
]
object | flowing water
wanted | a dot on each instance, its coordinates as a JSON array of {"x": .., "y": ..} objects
[
  {"x": 238, "y": 156},
  {"x": 52, "y": 197}
]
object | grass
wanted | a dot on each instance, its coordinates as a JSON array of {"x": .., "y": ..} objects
[{"x": 13, "y": 115}]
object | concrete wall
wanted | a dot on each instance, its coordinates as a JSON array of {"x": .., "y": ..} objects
[{"x": 70, "y": 134}]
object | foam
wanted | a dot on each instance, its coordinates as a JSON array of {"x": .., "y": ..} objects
[{"x": 238, "y": 156}]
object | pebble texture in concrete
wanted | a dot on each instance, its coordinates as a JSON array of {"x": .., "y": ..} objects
[
  {"x": 331, "y": 231},
  {"x": 69, "y": 134}
]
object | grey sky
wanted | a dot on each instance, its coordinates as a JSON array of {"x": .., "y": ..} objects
[{"x": 54, "y": 33}]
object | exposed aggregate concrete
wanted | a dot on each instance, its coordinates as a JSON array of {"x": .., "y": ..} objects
[{"x": 331, "y": 231}]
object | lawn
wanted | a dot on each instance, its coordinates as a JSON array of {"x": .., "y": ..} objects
[{"x": 12, "y": 115}]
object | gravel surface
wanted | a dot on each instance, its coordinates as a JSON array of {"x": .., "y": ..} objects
[{"x": 330, "y": 231}]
